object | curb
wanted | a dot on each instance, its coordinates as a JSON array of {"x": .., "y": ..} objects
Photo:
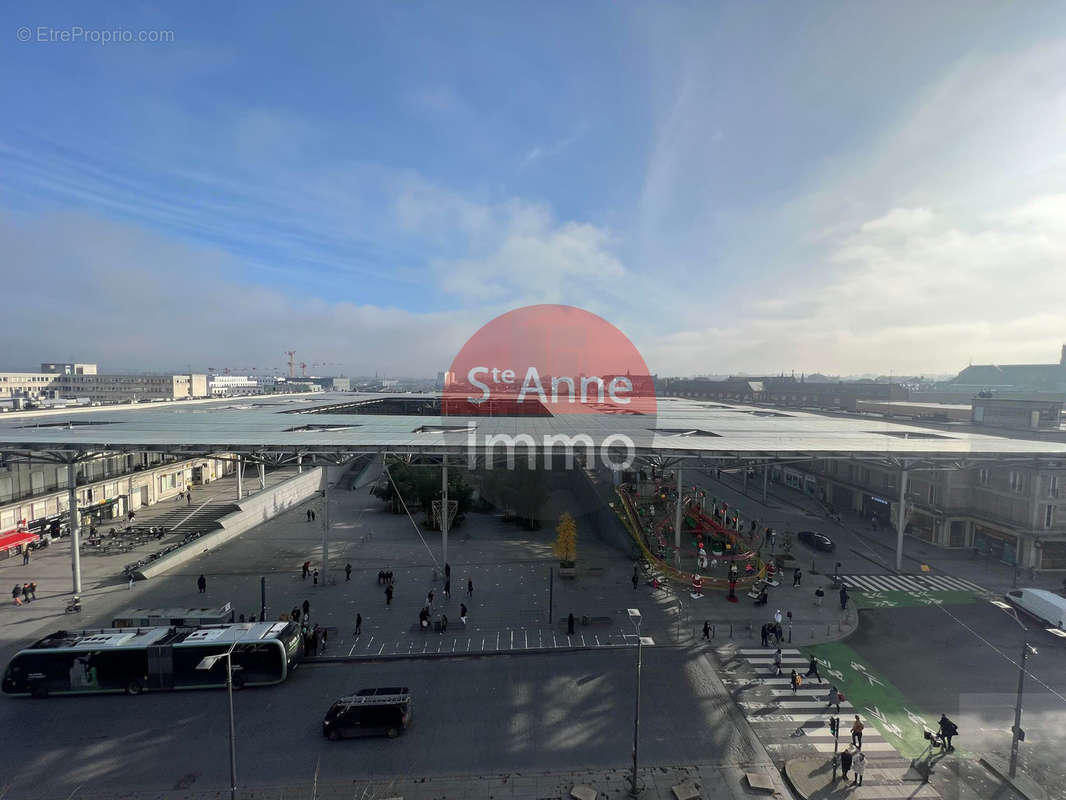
[
  {"x": 479, "y": 653},
  {"x": 1022, "y": 784}
]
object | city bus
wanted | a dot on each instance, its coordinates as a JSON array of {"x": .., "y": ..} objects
[{"x": 134, "y": 660}]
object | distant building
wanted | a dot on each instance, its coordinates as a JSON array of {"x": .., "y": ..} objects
[
  {"x": 1017, "y": 414},
  {"x": 69, "y": 369},
  {"x": 233, "y": 386},
  {"x": 1013, "y": 377},
  {"x": 83, "y": 381}
]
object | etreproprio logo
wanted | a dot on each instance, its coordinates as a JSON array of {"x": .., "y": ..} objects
[{"x": 557, "y": 362}]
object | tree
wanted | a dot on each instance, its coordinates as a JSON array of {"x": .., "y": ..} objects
[{"x": 565, "y": 547}]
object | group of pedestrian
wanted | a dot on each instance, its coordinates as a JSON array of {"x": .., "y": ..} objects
[
  {"x": 385, "y": 577},
  {"x": 771, "y": 629},
  {"x": 853, "y": 761},
  {"x": 24, "y": 593},
  {"x": 311, "y": 515}
]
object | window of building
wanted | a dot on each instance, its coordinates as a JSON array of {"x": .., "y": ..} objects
[
  {"x": 932, "y": 494},
  {"x": 983, "y": 476},
  {"x": 1053, "y": 486},
  {"x": 1015, "y": 481},
  {"x": 1049, "y": 516}
]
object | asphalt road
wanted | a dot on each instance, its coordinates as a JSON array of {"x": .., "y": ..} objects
[
  {"x": 470, "y": 716},
  {"x": 943, "y": 667}
]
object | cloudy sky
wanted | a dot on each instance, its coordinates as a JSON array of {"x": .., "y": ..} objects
[{"x": 854, "y": 187}]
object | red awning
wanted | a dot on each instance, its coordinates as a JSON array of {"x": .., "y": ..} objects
[{"x": 15, "y": 538}]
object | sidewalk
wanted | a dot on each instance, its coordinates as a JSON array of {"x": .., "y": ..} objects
[{"x": 711, "y": 782}]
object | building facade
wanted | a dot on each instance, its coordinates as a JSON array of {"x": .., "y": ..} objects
[
  {"x": 98, "y": 388},
  {"x": 1014, "y": 513},
  {"x": 34, "y": 493}
]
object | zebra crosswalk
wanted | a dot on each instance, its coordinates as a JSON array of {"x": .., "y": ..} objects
[
  {"x": 792, "y": 724},
  {"x": 909, "y": 583}
]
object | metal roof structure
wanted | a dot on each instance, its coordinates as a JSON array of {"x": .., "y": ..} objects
[{"x": 325, "y": 423}]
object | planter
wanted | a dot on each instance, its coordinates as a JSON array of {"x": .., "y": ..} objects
[{"x": 567, "y": 569}]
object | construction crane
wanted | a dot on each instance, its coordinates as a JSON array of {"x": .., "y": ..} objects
[{"x": 292, "y": 362}]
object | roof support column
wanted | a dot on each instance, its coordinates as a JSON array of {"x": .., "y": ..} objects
[
  {"x": 299, "y": 463},
  {"x": 765, "y": 474},
  {"x": 444, "y": 510},
  {"x": 325, "y": 523},
  {"x": 677, "y": 519},
  {"x": 75, "y": 525},
  {"x": 902, "y": 523},
  {"x": 262, "y": 476},
  {"x": 240, "y": 478}
]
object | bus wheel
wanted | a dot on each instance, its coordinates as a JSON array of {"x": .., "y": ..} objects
[
  {"x": 133, "y": 688},
  {"x": 392, "y": 733}
]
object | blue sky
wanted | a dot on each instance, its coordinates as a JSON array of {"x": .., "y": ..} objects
[{"x": 833, "y": 187}]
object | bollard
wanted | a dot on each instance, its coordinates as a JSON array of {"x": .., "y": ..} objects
[
  {"x": 730, "y": 630},
  {"x": 713, "y": 628}
]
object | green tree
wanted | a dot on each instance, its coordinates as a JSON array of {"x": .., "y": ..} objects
[{"x": 565, "y": 547}]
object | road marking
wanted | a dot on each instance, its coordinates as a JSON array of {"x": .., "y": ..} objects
[
  {"x": 762, "y": 651},
  {"x": 871, "y": 747},
  {"x": 790, "y": 660},
  {"x": 790, "y": 704}
]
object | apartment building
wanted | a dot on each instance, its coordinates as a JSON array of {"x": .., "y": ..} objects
[{"x": 1011, "y": 513}]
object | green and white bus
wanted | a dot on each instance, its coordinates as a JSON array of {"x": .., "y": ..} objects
[{"x": 134, "y": 660}]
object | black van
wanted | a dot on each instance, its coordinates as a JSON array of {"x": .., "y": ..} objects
[{"x": 384, "y": 711}]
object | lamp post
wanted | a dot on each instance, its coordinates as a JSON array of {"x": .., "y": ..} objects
[
  {"x": 1019, "y": 734},
  {"x": 634, "y": 617},
  {"x": 206, "y": 663}
]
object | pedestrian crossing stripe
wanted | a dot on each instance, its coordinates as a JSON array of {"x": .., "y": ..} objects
[
  {"x": 867, "y": 747},
  {"x": 767, "y": 651},
  {"x": 909, "y": 583},
  {"x": 790, "y": 660}
]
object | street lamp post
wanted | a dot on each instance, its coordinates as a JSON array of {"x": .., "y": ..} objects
[
  {"x": 634, "y": 617},
  {"x": 1019, "y": 734},
  {"x": 206, "y": 663}
]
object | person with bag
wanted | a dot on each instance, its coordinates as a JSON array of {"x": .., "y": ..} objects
[
  {"x": 948, "y": 729},
  {"x": 856, "y": 733},
  {"x": 796, "y": 681}
]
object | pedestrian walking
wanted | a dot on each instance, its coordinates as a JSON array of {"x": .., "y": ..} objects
[
  {"x": 856, "y": 733},
  {"x": 25, "y": 593},
  {"x": 843, "y": 598},
  {"x": 469, "y": 587},
  {"x": 33, "y": 590},
  {"x": 707, "y": 629},
  {"x": 636, "y": 580},
  {"x": 462, "y": 612},
  {"x": 812, "y": 669},
  {"x": 834, "y": 697},
  {"x": 764, "y": 632},
  {"x": 819, "y": 593},
  {"x": 447, "y": 571},
  {"x": 296, "y": 614},
  {"x": 188, "y": 498},
  {"x": 845, "y": 763},
  {"x": 308, "y": 515},
  {"x": 16, "y": 595},
  {"x": 358, "y": 624},
  {"x": 314, "y": 576},
  {"x": 797, "y": 577},
  {"x": 306, "y": 570},
  {"x": 447, "y": 589},
  {"x": 777, "y": 661},
  {"x": 570, "y": 624},
  {"x": 860, "y": 767},
  {"x": 307, "y": 610},
  {"x": 948, "y": 729},
  {"x": 347, "y": 572},
  {"x": 794, "y": 681},
  {"x": 429, "y": 599},
  {"x": 201, "y": 584},
  {"x": 313, "y": 515},
  {"x": 25, "y": 554},
  {"x": 777, "y": 617},
  {"x": 131, "y": 583},
  {"x": 443, "y": 623},
  {"x": 388, "y": 595}
]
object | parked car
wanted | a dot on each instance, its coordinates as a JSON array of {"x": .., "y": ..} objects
[
  {"x": 381, "y": 711},
  {"x": 819, "y": 541}
]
